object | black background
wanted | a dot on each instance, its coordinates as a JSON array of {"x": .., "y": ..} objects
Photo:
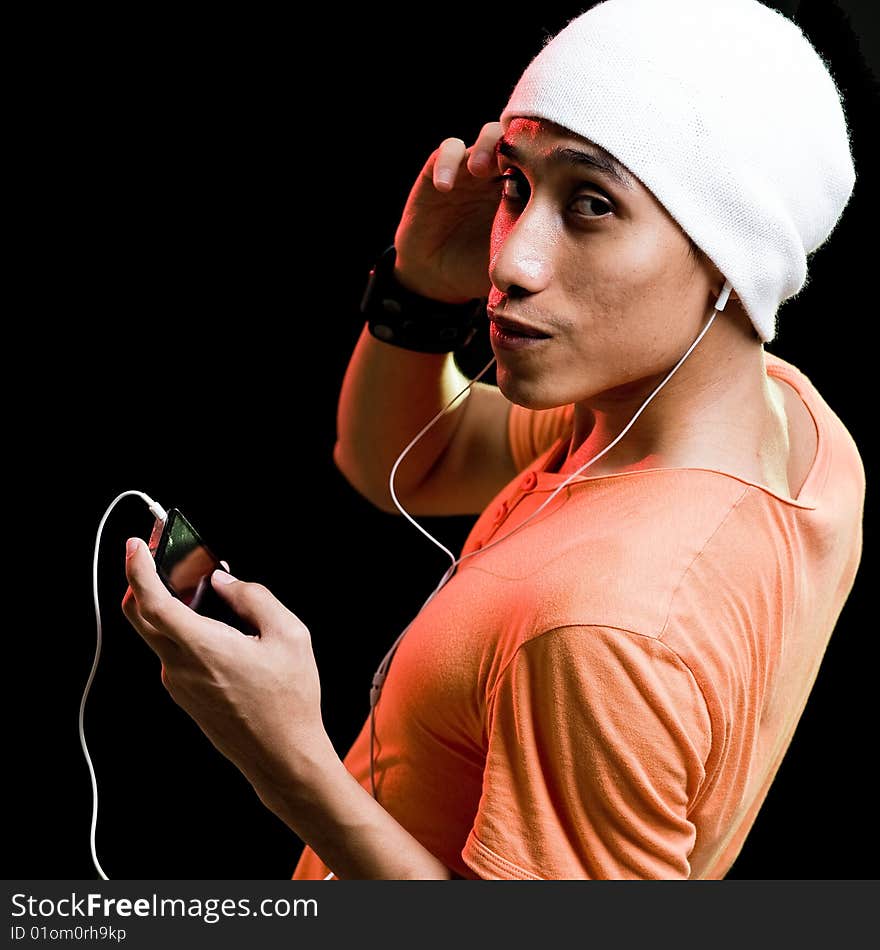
[{"x": 207, "y": 196}]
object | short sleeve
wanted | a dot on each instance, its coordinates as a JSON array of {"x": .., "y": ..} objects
[
  {"x": 531, "y": 432},
  {"x": 597, "y": 739}
]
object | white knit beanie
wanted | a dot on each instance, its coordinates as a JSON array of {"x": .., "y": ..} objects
[{"x": 725, "y": 111}]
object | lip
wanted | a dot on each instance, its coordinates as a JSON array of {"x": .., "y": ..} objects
[
  {"x": 502, "y": 338},
  {"x": 506, "y": 323}
]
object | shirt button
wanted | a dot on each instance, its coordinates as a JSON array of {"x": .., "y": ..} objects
[
  {"x": 478, "y": 545},
  {"x": 501, "y": 511},
  {"x": 529, "y": 482}
]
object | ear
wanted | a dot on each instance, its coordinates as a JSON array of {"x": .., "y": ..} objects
[{"x": 716, "y": 279}]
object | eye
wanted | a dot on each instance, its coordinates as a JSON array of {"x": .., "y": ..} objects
[
  {"x": 592, "y": 202},
  {"x": 514, "y": 188},
  {"x": 511, "y": 183}
]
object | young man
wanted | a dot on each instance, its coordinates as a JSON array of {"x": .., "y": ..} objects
[{"x": 670, "y": 516}]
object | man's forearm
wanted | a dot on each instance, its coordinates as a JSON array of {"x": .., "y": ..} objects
[{"x": 347, "y": 828}]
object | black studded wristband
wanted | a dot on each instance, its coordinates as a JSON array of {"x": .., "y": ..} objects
[{"x": 397, "y": 315}]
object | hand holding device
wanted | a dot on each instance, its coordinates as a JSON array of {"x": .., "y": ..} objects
[
  {"x": 257, "y": 699},
  {"x": 185, "y": 565}
]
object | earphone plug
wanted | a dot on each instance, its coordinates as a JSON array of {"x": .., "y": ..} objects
[{"x": 158, "y": 511}]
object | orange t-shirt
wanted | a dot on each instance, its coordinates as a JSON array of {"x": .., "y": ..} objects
[{"x": 609, "y": 692}]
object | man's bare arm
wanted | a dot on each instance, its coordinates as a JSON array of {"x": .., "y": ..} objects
[{"x": 389, "y": 394}]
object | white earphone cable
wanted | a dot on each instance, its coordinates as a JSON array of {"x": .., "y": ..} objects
[
  {"x": 382, "y": 671},
  {"x": 161, "y": 514}
]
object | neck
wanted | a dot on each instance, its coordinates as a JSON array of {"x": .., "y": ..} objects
[{"x": 719, "y": 410}]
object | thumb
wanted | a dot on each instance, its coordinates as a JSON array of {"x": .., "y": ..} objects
[{"x": 254, "y": 603}]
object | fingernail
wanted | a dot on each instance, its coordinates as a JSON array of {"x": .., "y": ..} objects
[
  {"x": 480, "y": 161},
  {"x": 131, "y": 545},
  {"x": 444, "y": 178},
  {"x": 222, "y": 577}
]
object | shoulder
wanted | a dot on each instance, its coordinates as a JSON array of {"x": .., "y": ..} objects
[
  {"x": 627, "y": 689},
  {"x": 629, "y": 544},
  {"x": 597, "y": 740},
  {"x": 838, "y": 456},
  {"x": 587, "y": 654}
]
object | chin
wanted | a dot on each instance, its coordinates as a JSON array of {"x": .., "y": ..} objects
[{"x": 526, "y": 394}]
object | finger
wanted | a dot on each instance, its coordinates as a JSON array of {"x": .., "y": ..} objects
[
  {"x": 254, "y": 603},
  {"x": 481, "y": 155},
  {"x": 449, "y": 156},
  {"x": 154, "y": 602},
  {"x": 162, "y": 645}
]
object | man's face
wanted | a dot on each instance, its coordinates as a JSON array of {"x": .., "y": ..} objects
[{"x": 597, "y": 265}]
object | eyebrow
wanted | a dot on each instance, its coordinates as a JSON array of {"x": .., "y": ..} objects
[{"x": 598, "y": 160}]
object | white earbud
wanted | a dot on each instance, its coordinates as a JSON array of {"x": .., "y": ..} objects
[{"x": 721, "y": 303}]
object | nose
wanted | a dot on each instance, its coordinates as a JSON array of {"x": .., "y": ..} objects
[{"x": 521, "y": 257}]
